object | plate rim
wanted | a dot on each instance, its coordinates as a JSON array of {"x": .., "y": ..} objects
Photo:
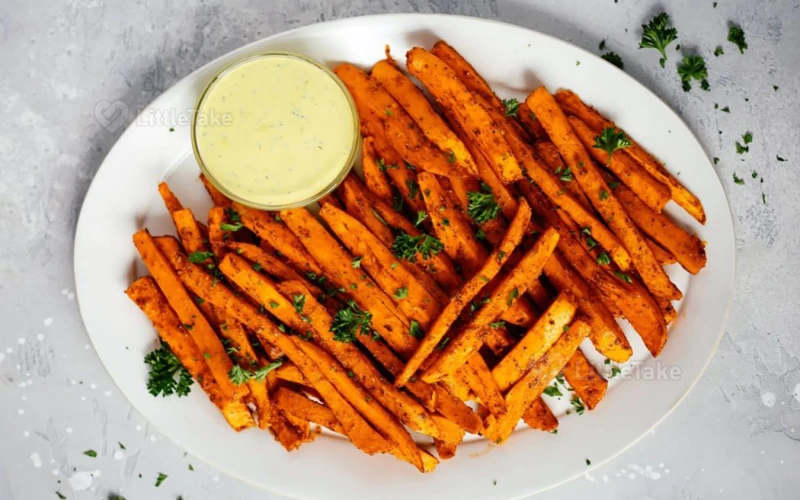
[{"x": 389, "y": 17}]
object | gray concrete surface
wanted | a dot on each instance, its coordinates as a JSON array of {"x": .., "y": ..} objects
[{"x": 736, "y": 436}]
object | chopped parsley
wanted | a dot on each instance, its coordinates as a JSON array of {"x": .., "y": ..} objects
[
  {"x": 262, "y": 372},
  {"x": 718, "y": 51},
  {"x": 415, "y": 330},
  {"x": 401, "y": 293},
  {"x": 200, "y": 257},
  {"x": 413, "y": 188},
  {"x": 614, "y": 59},
  {"x": 603, "y": 259},
  {"x": 736, "y": 37},
  {"x": 90, "y": 453},
  {"x": 443, "y": 344},
  {"x": 257, "y": 266},
  {"x": 167, "y": 375},
  {"x": 624, "y": 277},
  {"x": 356, "y": 263},
  {"x": 239, "y": 375},
  {"x": 578, "y": 405},
  {"x": 350, "y": 320},
  {"x": 657, "y": 34},
  {"x": 511, "y": 106},
  {"x": 586, "y": 232},
  {"x": 737, "y": 179},
  {"x": 511, "y": 296},
  {"x": 693, "y": 68},
  {"x": 603, "y": 194},
  {"x": 497, "y": 324},
  {"x": 421, "y": 216},
  {"x": 615, "y": 371},
  {"x": 160, "y": 479},
  {"x": 482, "y": 205},
  {"x": 563, "y": 174},
  {"x": 451, "y": 158},
  {"x": 480, "y": 234},
  {"x": 553, "y": 391},
  {"x": 299, "y": 301},
  {"x": 230, "y": 227},
  {"x": 388, "y": 112},
  {"x": 779, "y": 158}
]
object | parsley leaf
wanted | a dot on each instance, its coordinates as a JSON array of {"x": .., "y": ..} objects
[
  {"x": 564, "y": 174},
  {"x": 657, "y": 34},
  {"x": 262, "y": 372},
  {"x": 611, "y": 139},
  {"x": 497, "y": 324},
  {"x": 356, "y": 262},
  {"x": 693, "y": 68},
  {"x": 350, "y": 320},
  {"x": 200, "y": 257},
  {"x": 239, "y": 375},
  {"x": 160, "y": 479},
  {"x": 624, "y": 277},
  {"x": 421, "y": 216},
  {"x": 90, "y": 453},
  {"x": 482, "y": 205},
  {"x": 614, "y": 59},
  {"x": 164, "y": 368},
  {"x": 553, "y": 391},
  {"x": 480, "y": 234},
  {"x": 578, "y": 405},
  {"x": 451, "y": 158},
  {"x": 230, "y": 227},
  {"x": 415, "y": 330},
  {"x": 737, "y": 179},
  {"x": 511, "y": 296},
  {"x": 401, "y": 293},
  {"x": 603, "y": 259},
  {"x": 299, "y": 301},
  {"x": 511, "y": 106},
  {"x": 413, "y": 188},
  {"x": 406, "y": 246},
  {"x": 736, "y": 37},
  {"x": 747, "y": 138},
  {"x": 718, "y": 51}
]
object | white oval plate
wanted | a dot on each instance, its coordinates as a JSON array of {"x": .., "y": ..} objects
[{"x": 123, "y": 198}]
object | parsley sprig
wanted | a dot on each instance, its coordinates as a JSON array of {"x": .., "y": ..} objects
[
  {"x": 482, "y": 205},
  {"x": 239, "y": 375},
  {"x": 693, "y": 68},
  {"x": 611, "y": 139},
  {"x": 350, "y": 320},
  {"x": 407, "y": 247},
  {"x": 511, "y": 106},
  {"x": 657, "y": 34},
  {"x": 736, "y": 37},
  {"x": 167, "y": 374}
]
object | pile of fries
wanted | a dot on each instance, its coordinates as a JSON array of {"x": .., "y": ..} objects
[{"x": 485, "y": 242}]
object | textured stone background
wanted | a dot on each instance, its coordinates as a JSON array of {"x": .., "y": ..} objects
[{"x": 736, "y": 436}]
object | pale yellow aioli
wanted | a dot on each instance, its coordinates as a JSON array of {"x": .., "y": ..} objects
[{"x": 283, "y": 132}]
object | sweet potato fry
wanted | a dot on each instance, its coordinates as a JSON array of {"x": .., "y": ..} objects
[
  {"x": 558, "y": 128},
  {"x": 217, "y": 236},
  {"x": 687, "y": 248},
  {"x": 635, "y": 303},
  {"x": 372, "y": 170},
  {"x": 271, "y": 265},
  {"x": 145, "y": 293},
  {"x": 539, "y": 416},
  {"x": 401, "y": 174},
  {"x": 529, "y": 122},
  {"x": 464, "y": 345},
  {"x": 443, "y": 83},
  {"x": 290, "y": 431},
  {"x": 268, "y": 227},
  {"x": 662, "y": 256},
  {"x": 216, "y": 195},
  {"x": 467, "y": 293},
  {"x": 572, "y": 104},
  {"x": 417, "y": 106},
  {"x": 418, "y": 304},
  {"x": 531, "y": 386},
  {"x": 381, "y": 219},
  {"x": 290, "y": 373},
  {"x": 188, "y": 230},
  {"x": 325, "y": 374},
  {"x": 466, "y": 73},
  {"x": 377, "y": 106},
  {"x": 550, "y": 156},
  {"x": 480, "y": 380},
  {"x": 190, "y": 316},
  {"x": 589, "y": 385},
  {"x": 536, "y": 341},
  {"x": 301, "y": 407},
  {"x": 649, "y": 190},
  {"x": 171, "y": 201}
]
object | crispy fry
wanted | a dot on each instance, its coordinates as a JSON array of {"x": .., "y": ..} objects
[
  {"x": 450, "y": 93},
  {"x": 289, "y": 431},
  {"x": 662, "y": 256},
  {"x": 188, "y": 230},
  {"x": 530, "y": 123},
  {"x": 649, "y": 190},
  {"x": 171, "y": 201},
  {"x": 536, "y": 341},
  {"x": 383, "y": 266},
  {"x": 539, "y": 416},
  {"x": 301, "y": 407},
  {"x": 271, "y": 265},
  {"x": 375, "y": 105},
  {"x": 217, "y": 236},
  {"x": 584, "y": 379},
  {"x": 389, "y": 321},
  {"x": 687, "y": 248},
  {"x": 465, "y": 72},
  {"x": 600, "y": 195},
  {"x": 549, "y": 154},
  {"x": 371, "y": 168},
  {"x": 216, "y": 195},
  {"x": 268, "y": 228},
  {"x": 145, "y": 293},
  {"x": 467, "y": 293},
  {"x": 186, "y": 309},
  {"x": 480, "y": 380},
  {"x": 464, "y": 345},
  {"x": 531, "y": 386},
  {"x": 381, "y": 218},
  {"x": 418, "y": 107},
  {"x": 401, "y": 175},
  {"x": 572, "y": 104}
]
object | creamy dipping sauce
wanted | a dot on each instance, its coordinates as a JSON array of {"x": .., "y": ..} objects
[{"x": 275, "y": 130}]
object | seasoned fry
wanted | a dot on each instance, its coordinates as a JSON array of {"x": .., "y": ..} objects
[
  {"x": 600, "y": 195},
  {"x": 145, "y": 293},
  {"x": 217, "y": 236},
  {"x": 383, "y": 266},
  {"x": 467, "y": 293},
  {"x": 649, "y": 190},
  {"x": 401, "y": 174},
  {"x": 450, "y": 93},
  {"x": 271, "y": 265},
  {"x": 171, "y": 201},
  {"x": 687, "y": 248},
  {"x": 572, "y": 104},
  {"x": 584, "y": 379},
  {"x": 549, "y": 154},
  {"x": 186, "y": 309},
  {"x": 662, "y": 256},
  {"x": 531, "y": 386},
  {"x": 377, "y": 106},
  {"x": 539, "y": 416},
  {"x": 536, "y": 341},
  {"x": 371, "y": 168},
  {"x": 301, "y": 407},
  {"x": 465, "y": 72},
  {"x": 269, "y": 228},
  {"x": 508, "y": 290},
  {"x": 390, "y": 322},
  {"x": 418, "y": 107},
  {"x": 530, "y": 123}
]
